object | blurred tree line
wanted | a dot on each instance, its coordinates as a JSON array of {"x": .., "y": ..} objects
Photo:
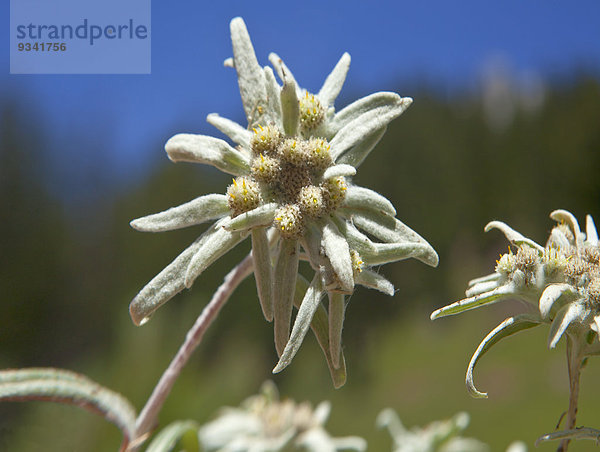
[{"x": 66, "y": 279}]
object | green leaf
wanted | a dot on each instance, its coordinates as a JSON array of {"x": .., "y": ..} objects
[
  {"x": 168, "y": 437},
  {"x": 62, "y": 386},
  {"x": 507, "y": 328},
  {"x": 576, "y": 433}
]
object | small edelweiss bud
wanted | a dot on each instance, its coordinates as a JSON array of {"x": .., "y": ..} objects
[
  {"x": 334, "y": 192},
  {"x": 317, "y": 154},
  {"x": 506, "y": 263},
  {"x": 265, "y": 169},
  {"x": 243, "y": 195},
  {"x": 312, "y": 113},
  {"x": 554, "y": 260},
  {"x": 292, "y": 151},
  {"x": 593, "y": 290},
  {"x": 265, "y": 140},
  {"x": 310, "y": 201},
  {"x": 526, "y": 259},
  {"x": 592, "y": 255},
  {"x": 357, "y": 262},
  {"x": 576, "y": 269},
  {"x": 289, "y": 221}
]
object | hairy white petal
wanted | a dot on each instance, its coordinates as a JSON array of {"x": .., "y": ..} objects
[
  {"x": 493, "y": 296},
  {"x": 218, "y": 242},
  {"x": 337, "y": 250},
  {"x": 551, "y": 294},
  {"x": 486, "y": 278},
  {"x": 290, "y": 108},
  {"x": 389, "y": 229},
  {"x": 263, "y": 271},
  {"x": 320, "y": 327},
  {"x": 164, "y": 286},
  {"x": 273, "y": 98},
  {"x": 573, "y": 312},
  {"x": 359, "y": 152},
  {"x": 558, "y": 239},
  {"x": 337, "y": 309},
  {"x": 365, "y": 124},
  {"x": 482, "y": 287},
  {"x": 260, "y": 216},
  {"x": 232, "y": 129},
  {"x": 191, "y": 213},
  {"x": 310, "y": 303},
  {"x": 283, "y": 72},
  {"x": 250, "y": 75},
  {"x": 185, "y": 147},
  {"x": 359, "y": 107},
  {"x": 372, "y": 280},
  {"x": 364, "y": 198},
  {"x": 384, "y": 253},
  {"x": 507, "y": 328},
  {"x": 564, "y": 216},
  {"x": 334, "y": 81},
  {"x": 590, "y": 231},
  {"x": 513, "y": 236},
  {"x": 284, "y": 286},
  {"x": 339, "y": 170}
]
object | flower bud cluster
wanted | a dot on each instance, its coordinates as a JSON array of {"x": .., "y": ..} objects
[
  {"x": 312, "y": 113},
  {"x": 243, "y": 195},
  {"x": 289, "y": 171}
]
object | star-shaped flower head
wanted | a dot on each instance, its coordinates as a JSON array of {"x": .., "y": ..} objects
[
  {"x": 562, "y": 282},
  {"x": 264, "y": 423},
  {"x": 292, "y": 192}
]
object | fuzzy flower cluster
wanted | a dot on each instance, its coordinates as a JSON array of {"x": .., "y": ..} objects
[
  {"x": 561, "y": 280},
  {"x": 264, "y": 423},
  {"x": 293, "y": 194},
  {"x": 439, "y": 436}
]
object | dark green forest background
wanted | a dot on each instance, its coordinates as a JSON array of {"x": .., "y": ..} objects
[{"x": 68, "y": 270}]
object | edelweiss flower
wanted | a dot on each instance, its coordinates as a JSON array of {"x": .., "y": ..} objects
[
  {"x": 292, "y": 193},
  {"x": 266, "y": 424},
  {"x": 439, "y": 436},
  {"x": 561, "y": 280}
]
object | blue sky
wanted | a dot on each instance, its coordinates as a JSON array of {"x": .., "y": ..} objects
[{"x": 447, "y": 44}]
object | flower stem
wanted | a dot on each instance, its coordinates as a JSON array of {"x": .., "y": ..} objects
[
  {"x": 146, "y": 421},
  {"x": 574, "y": 361}
]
